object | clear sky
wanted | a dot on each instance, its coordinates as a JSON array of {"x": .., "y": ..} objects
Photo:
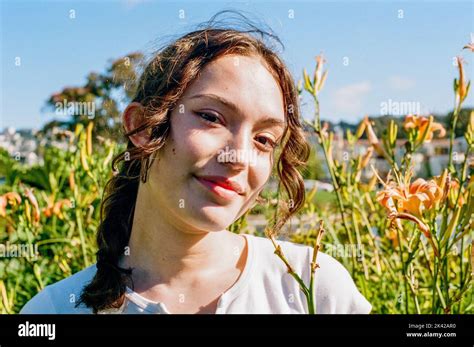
[{"x": 399, "y": 51}]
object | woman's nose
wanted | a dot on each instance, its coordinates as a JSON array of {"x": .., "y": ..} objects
[{"x": 237, "y": 152}]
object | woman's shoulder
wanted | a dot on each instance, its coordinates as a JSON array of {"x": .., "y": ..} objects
[
  {"x": 335, "y": 288},
  {"x": 62, "y": 296}
]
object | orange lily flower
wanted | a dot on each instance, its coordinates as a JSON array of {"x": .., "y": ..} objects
[
  {"x": 414, "y": 198},
  {"x": 3, "y": 206},
  {"x": 409, "y": 201},
  {"x": 423, "y": 124},
  {"x": 10, "y": 198},
  {"x": 56, "y": 208}
]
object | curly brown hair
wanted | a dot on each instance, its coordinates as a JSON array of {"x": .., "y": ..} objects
[{"x": 161, "y": 85}]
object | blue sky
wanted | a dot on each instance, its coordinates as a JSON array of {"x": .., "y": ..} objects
[{"x": 408, "y": 59}]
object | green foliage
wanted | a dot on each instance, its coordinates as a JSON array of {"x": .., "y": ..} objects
[
  {"x": 314, "y": 169},
  {"x": 68, "y": 195},
  {"x": 408, "y": 245}
]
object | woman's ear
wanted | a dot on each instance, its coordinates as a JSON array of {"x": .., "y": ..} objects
[{"x": 133, "y": 117}]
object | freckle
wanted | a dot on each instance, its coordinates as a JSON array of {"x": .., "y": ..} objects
[{"x": 174, "y": 151}]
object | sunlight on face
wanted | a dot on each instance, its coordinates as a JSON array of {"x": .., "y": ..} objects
[{"x": 225, "y": 126}]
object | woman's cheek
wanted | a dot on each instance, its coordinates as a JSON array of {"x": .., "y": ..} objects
[
  {"x": 202, "y": 144},
  {"x": 263, "y": 169}
]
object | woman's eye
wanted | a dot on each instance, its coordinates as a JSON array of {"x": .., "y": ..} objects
[
  {"x": 208, "y": 117},
  {"x": 270, "y": 144}
]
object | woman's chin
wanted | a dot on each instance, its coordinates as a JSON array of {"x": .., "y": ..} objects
[{"x": 211, "y": 219}]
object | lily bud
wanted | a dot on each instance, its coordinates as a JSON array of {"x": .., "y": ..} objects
[
  {"x": 89, "y": 138},
  {"x": 373, "y": 139},
  {"x": 461, "y": 88},
  {"x": 360, "y": 130},
  {"x": 307, "y": 83}
]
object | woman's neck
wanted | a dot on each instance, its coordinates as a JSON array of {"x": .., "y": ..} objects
[{"x": 161, "y": 250}]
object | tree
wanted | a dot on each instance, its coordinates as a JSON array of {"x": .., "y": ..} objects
[{"x": 102, "y": 94}]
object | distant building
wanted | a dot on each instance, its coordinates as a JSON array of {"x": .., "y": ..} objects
[
  {"x": 428, "y": 161},
  {"x": 23, "y": 145}
]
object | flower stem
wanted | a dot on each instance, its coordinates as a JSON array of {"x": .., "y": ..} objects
[{"x": 452, "y": 136}]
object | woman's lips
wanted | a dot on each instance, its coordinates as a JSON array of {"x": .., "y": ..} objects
[{"x": 217, "y": 189}]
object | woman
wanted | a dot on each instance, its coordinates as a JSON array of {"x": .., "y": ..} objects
[{"x": 210, "y": 111}]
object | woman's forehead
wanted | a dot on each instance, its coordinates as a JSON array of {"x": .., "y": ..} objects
[{"x": 243, "y": 82}]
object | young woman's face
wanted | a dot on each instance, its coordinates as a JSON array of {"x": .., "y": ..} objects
[{"x": 225, "y": 126}]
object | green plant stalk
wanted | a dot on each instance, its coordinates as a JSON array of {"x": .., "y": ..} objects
[
  {"x": 413, "y": 244},
  {"x": 435, "y": 276},
  {"x": 438, "y": 264},
  {"x": 412, "y": 249},
  {"x": 452, "y": 136},
  {"x": 310, "y": 296},
  {"x": 437, "y": 289},
  {"x": 317, "y": 128},
  {"x": 279, "y": 253},
  {"x": 359, "y": 243},
  {"x": 447, "y": 234},
  {"x": 338, "y": 193},
  {"x": 82, "y": 237},
  {"x": 317, "y": 120},
  {"x": 446, "y": 212},
  {"x": 405, "y": 284},
  {"x": 314, "y": 266},
  {"x": 458, "y": 297},
  {"x": 413, "y": 290},
  {"x": 461, "y": 270},
  {"x": 428, "y": 262},
  {"x": 331, "y": 231},
  {"x": 353, "y": 268},
  {"x": 52, "y": 241},
  {"x": 390, "y": 269},
  {"x": 54, "y": 221},
  {"x": 372, "y": 242},
  {"x": 446, "y": 270},
  {"x": 460, "y": 235},
  {"x": 461, "y": 183},
  {"x": 304, "y": 289}
]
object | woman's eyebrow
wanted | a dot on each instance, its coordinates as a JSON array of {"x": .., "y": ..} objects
[{"x": 230, "y": 105}]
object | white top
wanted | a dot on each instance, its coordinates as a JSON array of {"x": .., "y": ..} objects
[{"x": 264, "y": 286}]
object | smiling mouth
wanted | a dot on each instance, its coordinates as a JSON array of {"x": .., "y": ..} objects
[{"x": 217, "y": 189}]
